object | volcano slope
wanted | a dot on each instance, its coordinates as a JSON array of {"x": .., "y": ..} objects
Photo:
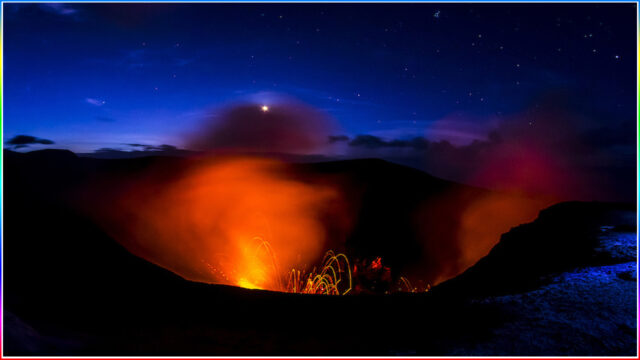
[{"x": 70, "y": 289}]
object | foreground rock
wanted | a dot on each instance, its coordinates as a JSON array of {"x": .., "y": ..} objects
[{"x": 565, "y": 284}]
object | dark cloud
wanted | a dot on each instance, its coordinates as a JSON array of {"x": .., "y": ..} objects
[
  {"x": 368, "y": 141},
  {"x": 287, "y": 126},
  {"x": 107, "y": 150},
  {"x": 374, "y": 142},
  {"x": 337, "y": 138},
  {"x": 146, "y": 147},
  {"x": 22, "y": 141},
  {"x": 139, "y": 151}
]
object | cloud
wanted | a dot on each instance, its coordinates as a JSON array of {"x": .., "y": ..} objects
[
  {"x": 59, "y": 8},
  {"x": 337, "y": 138},
  {"x": 95, "y": 102},
  {"x": 22, "y": 141},
  {"x": 374, "y": 142},
  {"x": 368, "y": 141},
  {"x": 139, "y": 150},
  {"x": 107, "y": 150},
  {"x": 285, "y": 126},
  {"x": 163, "y": 147}
]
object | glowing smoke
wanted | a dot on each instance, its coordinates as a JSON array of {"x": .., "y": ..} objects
[{"x": 209, "y": 222}]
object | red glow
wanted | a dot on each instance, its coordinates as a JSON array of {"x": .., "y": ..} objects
[
  {"x": 487, "y": 218},
  {"x": 239, "y": 222}
]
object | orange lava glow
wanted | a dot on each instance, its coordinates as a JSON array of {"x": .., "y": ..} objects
[
  {"x": 238, "y": 221},
  {"x": 486, "y": 219},
  {"x": 247, "y": 284}
]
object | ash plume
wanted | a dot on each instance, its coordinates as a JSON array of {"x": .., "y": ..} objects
[{"x": 284, "y": 127}]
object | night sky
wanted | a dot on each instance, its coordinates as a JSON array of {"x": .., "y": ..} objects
[{"x": 442, "y": 87}]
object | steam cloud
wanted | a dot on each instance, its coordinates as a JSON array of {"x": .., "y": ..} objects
[
  {"x": 285, "y": 127},
  {"x": 210, "y": 222},
  {"x": 545, "y": 150}
]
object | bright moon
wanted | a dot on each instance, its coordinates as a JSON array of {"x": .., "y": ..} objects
[{"x": 265, "y": 108}]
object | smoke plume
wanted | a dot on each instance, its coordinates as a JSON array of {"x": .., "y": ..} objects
[{"x": 286, "y": 126}]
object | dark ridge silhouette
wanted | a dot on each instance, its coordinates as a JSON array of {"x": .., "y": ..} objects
[{"x": 563, "y": 237}]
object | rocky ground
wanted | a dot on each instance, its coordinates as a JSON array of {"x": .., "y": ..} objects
[
  {"x": 586, "y": 308},
  {"x": 587, "y": 311}
]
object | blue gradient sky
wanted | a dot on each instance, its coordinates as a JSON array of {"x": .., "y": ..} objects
[{"x": 99, "y": 75}]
